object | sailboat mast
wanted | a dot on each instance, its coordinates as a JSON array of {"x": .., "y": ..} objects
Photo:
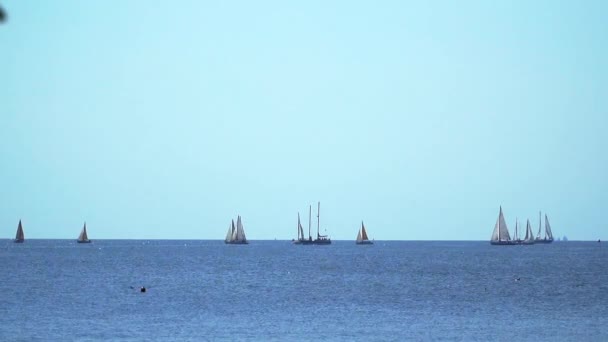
[
  {"x": 318, "y": 217},
  {"x": 309, "y": 219},
  {"x": 499, "y": 215}
]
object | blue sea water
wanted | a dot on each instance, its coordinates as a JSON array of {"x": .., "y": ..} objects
[{"x": 273, "y": 290}]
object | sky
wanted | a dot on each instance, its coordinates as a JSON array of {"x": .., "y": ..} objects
[{"x": 165, "y": 120}]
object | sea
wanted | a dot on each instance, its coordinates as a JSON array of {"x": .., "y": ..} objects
[{"x": 58, "y": 290}]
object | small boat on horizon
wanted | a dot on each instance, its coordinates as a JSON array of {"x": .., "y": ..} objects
[
  {"x": 362, "y": 238},
  {"x": 500, "y": 235},
  {"x": 83, "y": 237},
  {"x": 236, "y": 236},
  {"x": 19, "y": 237},
  {"x": 320, "y": 240}
]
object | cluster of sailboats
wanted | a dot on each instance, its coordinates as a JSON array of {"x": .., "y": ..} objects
[
  {"x": 236, "y": 233},
  {"x": 501, "y": 236}
]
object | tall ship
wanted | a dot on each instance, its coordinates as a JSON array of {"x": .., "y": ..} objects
[
  {"x": 19, "y": 236},
  {"x": 548, "y": 234},
  {"x": 236, "y": 235},
  {"x": 83, "y": 237},
  {"x": 320, "y": 240},
  {"x": 362, "y": 238},
  {"x": 529, "y": 238},
  {"x": 500, "y": 235}
]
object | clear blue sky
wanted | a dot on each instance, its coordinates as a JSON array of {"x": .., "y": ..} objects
[{"x": 154, "y": 119}]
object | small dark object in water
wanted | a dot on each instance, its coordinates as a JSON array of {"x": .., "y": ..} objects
[
  {"x": 2, "y": 15},
  {"x": 142, "y": 289},
  {"x": 517, "y": 279}
]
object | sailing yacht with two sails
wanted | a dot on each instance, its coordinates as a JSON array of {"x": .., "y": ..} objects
[
  {"x": 362, "y": 238},
  {"x": 236, "y": 236},
  {"x": 500, "y": 235}
]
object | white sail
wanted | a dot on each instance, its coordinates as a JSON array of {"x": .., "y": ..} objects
[
  {"x": 529, "y": 235},
  {"x": 240, "y": 232},
  {"x": 359, "y": 235},
  {"x": 83, "y": 237},
  {"x": 229, "y": 233},
  {"x": 501, "y": 233},
  {"x": 548, "y": 233},
  {"x": 233, "y": 235},
  {"x": 539, "y": 228},
  {"x": 300, "y": 229}
]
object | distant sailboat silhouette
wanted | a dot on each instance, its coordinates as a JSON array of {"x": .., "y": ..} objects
[
  {"x": 236, "y": 236},
  {"x": 320, "y": 240},
  {"x": 362, "y": 238},
  {"x": 19, "y": 237},
  {"x": 500, "y": 235},
  {"x": 529, "y": 239},
  {"x": 548, "y": 233},
  {"x": 83, "y": 237}
]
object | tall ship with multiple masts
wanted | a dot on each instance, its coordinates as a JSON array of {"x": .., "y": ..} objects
[
  {"x": 236, "y": 236},
  {"x": 19, "y": 236},
  {"x": 362, "y": 238},
  {"x": 83, "y": 237},
  {"x": 548, "y": 234},
  {"x": 320, "y": 240},
  {"x": 500, "y": 235}
]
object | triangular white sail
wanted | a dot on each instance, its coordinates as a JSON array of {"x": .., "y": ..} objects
[
  {"x": 359, "y": 235},
  {"x": 83, "y": 237},
  {"x": 229, "y": 233},
  {"x": 300, "y": 229},
  {"x": 19, "y": 236},
  {"x": 233, "y": 236},
  {"x": 539, "y": 227},
  {"x": 529, "y": 235},
  {"x": 500, "y": 233},
  {"x": 240, "y": 232},
  {"x": 548, "y": 233}
]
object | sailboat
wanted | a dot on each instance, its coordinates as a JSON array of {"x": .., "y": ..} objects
[
  {"x": 362, "y": 238},
  {"x": 500, "y": 235},
  {"x": 529, "y": 238},
  {"x": 19, "y": 237},
  {"x": 236, "y": 236},
  {"x": 83, "y": 237},
  {"x": 548, "y": 233},
  {"x": 320, "y": 240}
]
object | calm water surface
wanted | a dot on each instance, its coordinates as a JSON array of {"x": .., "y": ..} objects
[{"x": 273, "y": 290}]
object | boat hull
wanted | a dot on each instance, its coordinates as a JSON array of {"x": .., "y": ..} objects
[
  {"x": 18, "y": 241},
  {"x": 543, "y": 241},
  {"x": 236, "y": 242},
  {"x": 503, "y": 243},
  {"x": 312, "y": 242},
  {"x": 83, "y": 241},
  {"x": 364, "y": 242}
]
